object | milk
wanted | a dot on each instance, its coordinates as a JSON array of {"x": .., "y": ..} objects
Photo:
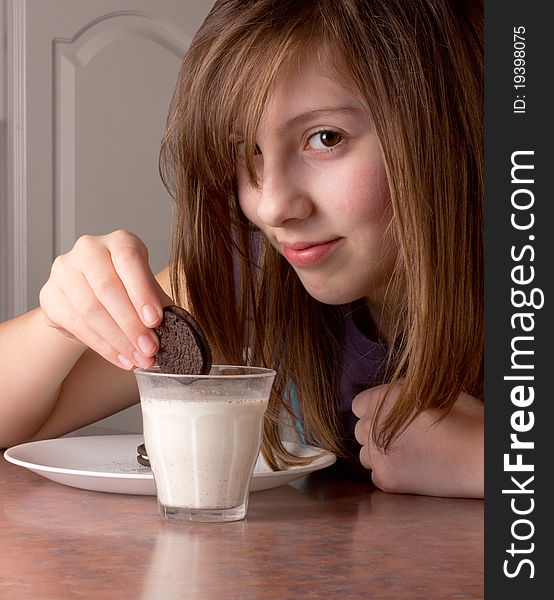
[{"x": 210, "y": 447}]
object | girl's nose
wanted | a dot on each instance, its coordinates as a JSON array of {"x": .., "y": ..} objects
[{"x": 283, "y": 197}]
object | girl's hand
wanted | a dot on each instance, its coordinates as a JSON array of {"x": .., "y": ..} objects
[
  {"x": 435, "y": 458},
  {"x": 102, "y": 294}
]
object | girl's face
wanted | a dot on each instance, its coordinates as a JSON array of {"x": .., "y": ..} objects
[{"x": 323, "y": 200}]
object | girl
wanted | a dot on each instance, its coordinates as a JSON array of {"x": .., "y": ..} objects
[{"x": 325, "y": 158}]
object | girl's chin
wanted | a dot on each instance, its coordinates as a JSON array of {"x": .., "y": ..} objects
[{"x": 333, "y": 297}]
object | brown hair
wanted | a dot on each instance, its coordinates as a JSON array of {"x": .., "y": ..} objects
[{"x": 416, "y": 67}]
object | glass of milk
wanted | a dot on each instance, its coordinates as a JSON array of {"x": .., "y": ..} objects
[{"x": 203, "y": 435}]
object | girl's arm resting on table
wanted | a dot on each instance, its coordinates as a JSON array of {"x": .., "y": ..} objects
[
  {"x": 434, "y": 458},
  {"x": 52, "y": 384}
]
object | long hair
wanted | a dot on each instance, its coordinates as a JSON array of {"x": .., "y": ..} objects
[{"x": 416, "y": 68}]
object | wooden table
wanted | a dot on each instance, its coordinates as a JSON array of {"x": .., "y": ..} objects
[{"x": 324, "y": 536}]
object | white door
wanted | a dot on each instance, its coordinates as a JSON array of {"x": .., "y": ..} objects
[{"x": 88, "y": 88}]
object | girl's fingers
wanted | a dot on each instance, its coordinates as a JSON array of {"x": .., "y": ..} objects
[
  {"x": 359, "y": 406},
  {"x": 109, "y": 292},
  {"x": 116, "y": 268},
  {"x": 59, "y": 311},
  {"x": 362, "y": 434},
  {"x": 365, "y": 458},
  {"x": 129, "y": 257},
  {"x": 361, "y": 431},
  {"x": 95, "y": 326},
  {"x": 111, "y": 298}
]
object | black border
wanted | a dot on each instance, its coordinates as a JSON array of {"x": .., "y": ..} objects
[{"x": 505, "y": 133}]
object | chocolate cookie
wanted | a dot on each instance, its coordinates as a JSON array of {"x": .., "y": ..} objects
[
  {"x": 142, "y": 457},
  {"x": 184, "y": 349}
]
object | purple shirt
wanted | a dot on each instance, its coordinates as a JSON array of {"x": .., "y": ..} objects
[{"x": 363, "y": 364}]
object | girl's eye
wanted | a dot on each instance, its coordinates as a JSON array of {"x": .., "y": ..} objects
[
  {"x": 324, "y": 140},
  {"x": 241, "y": 149}
]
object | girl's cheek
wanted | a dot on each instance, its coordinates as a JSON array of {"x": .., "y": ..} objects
[{"x": 246, "y": 198}]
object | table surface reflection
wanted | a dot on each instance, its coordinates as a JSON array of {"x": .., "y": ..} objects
[{"x": 327, "y": 535}]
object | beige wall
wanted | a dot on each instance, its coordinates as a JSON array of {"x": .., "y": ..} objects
[
  {"x": 3, "y": 165},
  {"x": 86, "y": 86}
]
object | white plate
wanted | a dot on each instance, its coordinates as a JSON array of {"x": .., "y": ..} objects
[{"x": 108, "y": 463}]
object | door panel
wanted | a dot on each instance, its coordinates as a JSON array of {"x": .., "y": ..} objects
[
  {"x": 88, "y": 88},
  {"x": 98, "y": 80}
]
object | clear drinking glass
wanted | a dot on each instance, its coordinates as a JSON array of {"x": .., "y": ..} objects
[{"x": 203, "y": 435}]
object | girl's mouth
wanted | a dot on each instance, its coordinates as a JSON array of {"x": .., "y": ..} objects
[{"x": 310, "y": 253}]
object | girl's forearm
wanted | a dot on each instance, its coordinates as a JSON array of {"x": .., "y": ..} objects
[{"x": 34, "y": 361}]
